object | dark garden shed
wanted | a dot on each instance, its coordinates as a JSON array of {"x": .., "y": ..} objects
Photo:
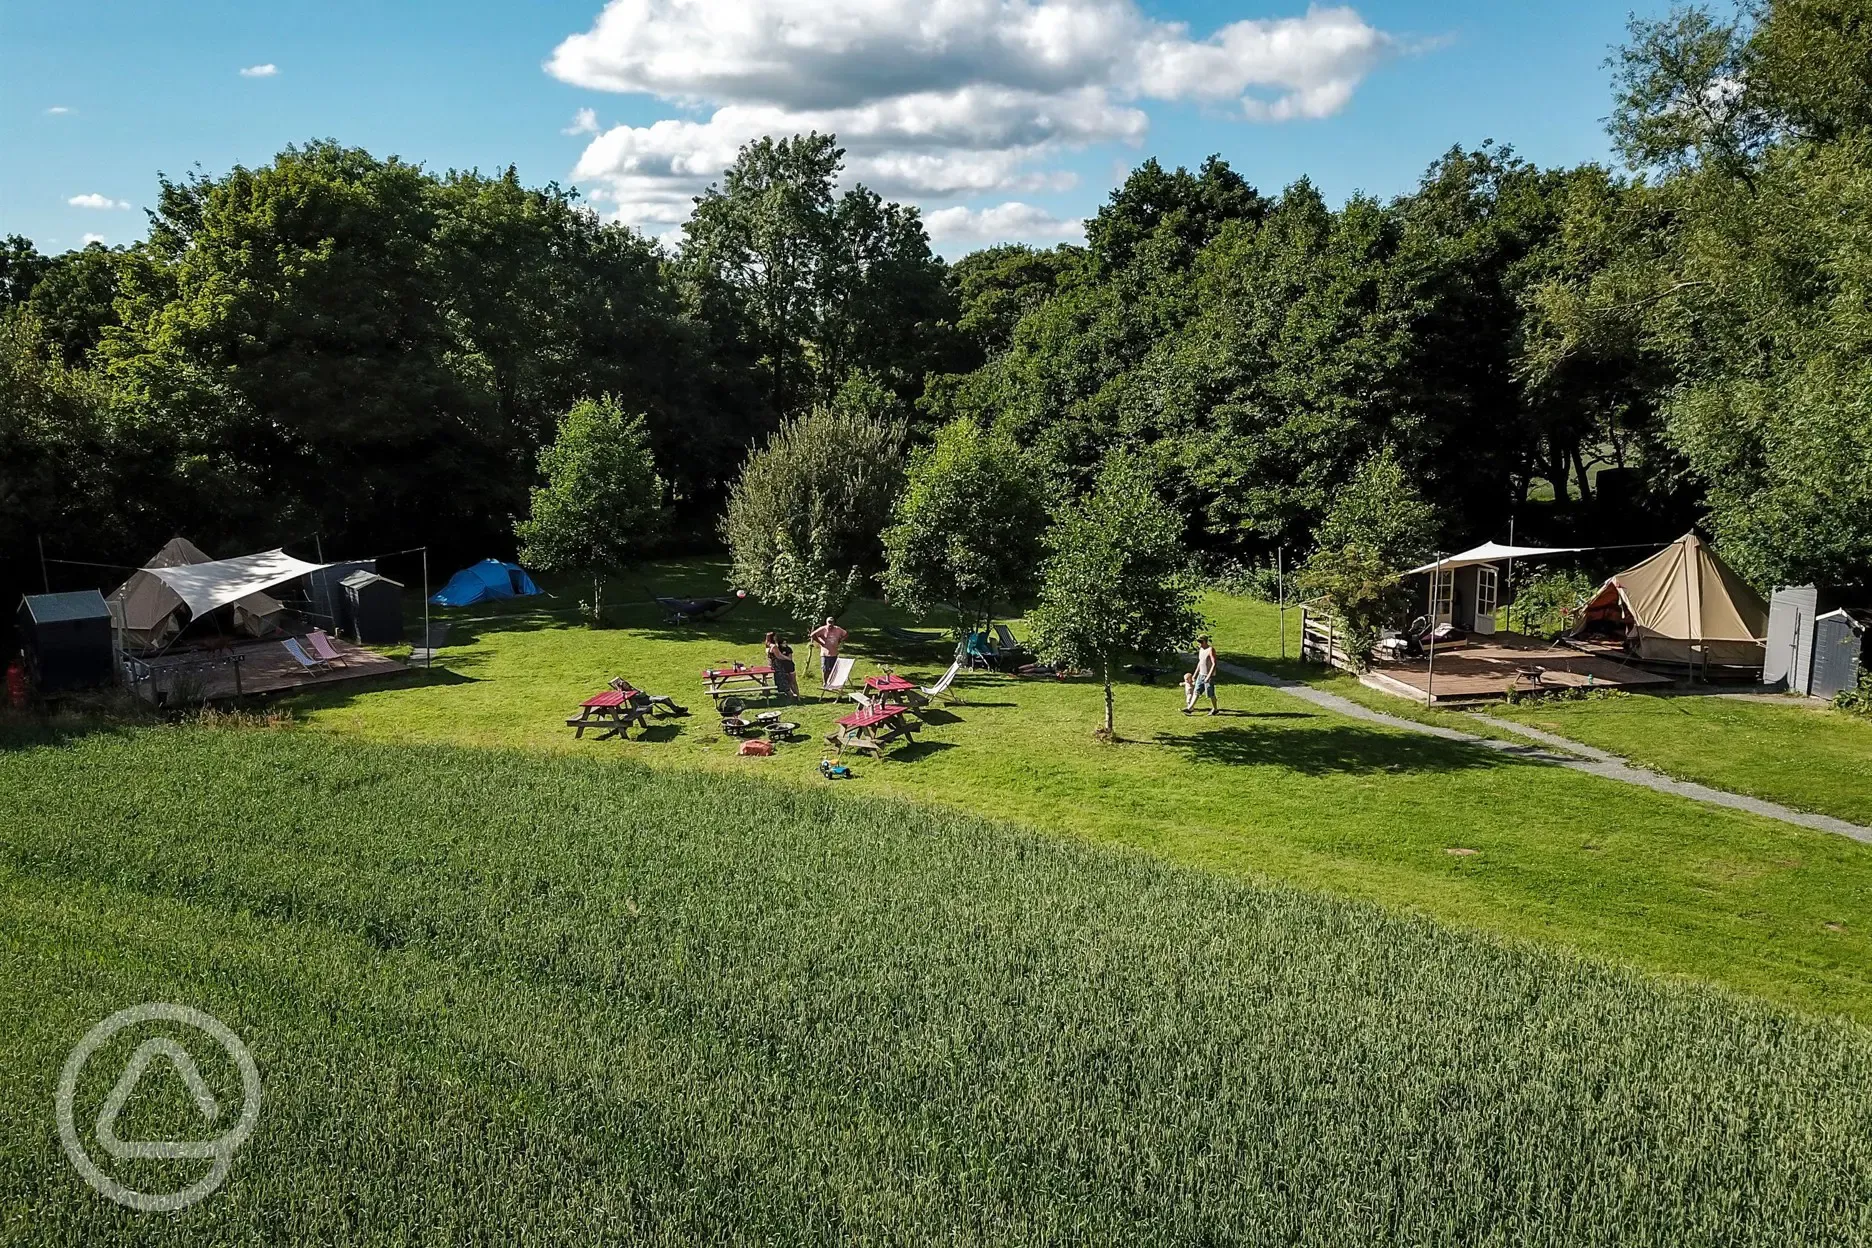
[
  {"x": 374, "y": 608},
  {"x": 67, "y": 640}
]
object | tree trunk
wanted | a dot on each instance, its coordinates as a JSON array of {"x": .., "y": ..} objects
[
  {"x": 1585, "y": 479},
  {"x": 597, "y": 620},
  {"x": 1108, "y": 698}
]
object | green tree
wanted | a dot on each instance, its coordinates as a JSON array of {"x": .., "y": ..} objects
[
  {"x": 1376, "y": 528},
  {"x": 997, "y": 286},
  {"x": 21, "y": 267},
  {"x": 967, "y": 529},
  {"x": 803, "y": 522},
  {"x": 1117, "y": 579},
  {"x": 601, "y": 507},
  {"x": 808, "y": 285},
  {"x": 76, "y": 298}
]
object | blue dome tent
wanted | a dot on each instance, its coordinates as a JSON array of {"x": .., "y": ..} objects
[{"x": 484, "y": 582}]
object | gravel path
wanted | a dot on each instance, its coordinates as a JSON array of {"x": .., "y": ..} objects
[{"x": 1559, "y": 751}]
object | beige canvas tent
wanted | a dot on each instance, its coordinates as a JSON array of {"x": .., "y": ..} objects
[
  {"x": 147, "y": 612},
  {"x": 1682, "y": 605}
]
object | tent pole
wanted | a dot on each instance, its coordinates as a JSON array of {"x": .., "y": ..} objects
[
  {"x": 45, "y": 573},
  {"x": 428, "y": 650}
]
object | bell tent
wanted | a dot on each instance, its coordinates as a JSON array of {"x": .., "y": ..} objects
[
  {"x": 1682, "y": 605},
  {"x": 148, "y": 612},
  {"x": 484, "y": 582}
]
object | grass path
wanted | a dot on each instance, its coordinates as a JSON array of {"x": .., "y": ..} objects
[{"x": 1271, "y": 789}]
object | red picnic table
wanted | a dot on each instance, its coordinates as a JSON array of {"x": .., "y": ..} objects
[
  {"x": 889, "y": 685},
  {"x": 737, "y": 679},
  {"x": 614, "y": 710},
  {"x": 870, "y": 731}
]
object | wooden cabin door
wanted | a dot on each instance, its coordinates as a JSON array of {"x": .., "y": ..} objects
[{"x": 1487, "y": 598}]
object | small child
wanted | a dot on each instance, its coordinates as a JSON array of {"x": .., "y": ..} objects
[{"x": 1189, "y": 692}]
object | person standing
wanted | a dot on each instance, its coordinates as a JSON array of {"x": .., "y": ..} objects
[
  {"x": 785, "y": 678},
  {"x": 1206, "y": 662},
  {"x": 828, "y": 637}
]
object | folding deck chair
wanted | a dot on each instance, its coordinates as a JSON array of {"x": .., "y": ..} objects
[
  {"x": 941, "y": 688},
  {"x": 305, "y": 661},
  {"x": 841, "y": 672},
  {"x": 322, "y": 647}
]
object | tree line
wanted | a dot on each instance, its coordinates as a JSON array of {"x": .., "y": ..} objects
[{"x": 340, "y": 344}]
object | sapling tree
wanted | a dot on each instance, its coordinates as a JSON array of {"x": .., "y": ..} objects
[
  {"x": 1117, "y": 579},
  {"x": 601, "y": 506},
  {"x": 968, "y": 529}
]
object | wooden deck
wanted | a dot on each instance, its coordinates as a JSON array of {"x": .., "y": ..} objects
[
  {"x": 1488, "y": 668},
  {"x": 247, "y": 669}
]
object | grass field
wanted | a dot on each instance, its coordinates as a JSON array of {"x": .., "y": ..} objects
[
  {"x": 1270, "y": 789},
  {"x": 505, "y": 998}
]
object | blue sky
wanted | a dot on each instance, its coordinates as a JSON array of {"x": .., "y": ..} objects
[{"x": 1003, "y": 119}]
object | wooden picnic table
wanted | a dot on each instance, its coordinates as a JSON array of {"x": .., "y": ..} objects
[
  {"x": 614, "y": 710},
  {"x": 871, "y": 730},
  {"x": 894, "y": 688},
  {"x": 720, "y": 681}
]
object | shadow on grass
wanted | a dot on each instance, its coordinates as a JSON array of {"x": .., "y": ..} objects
[
  {"x": 915, "y": 750},
  {"x": 27, "y": 731},
  {"x": 332, "y": 696},
  {"x": 1336, "y": 750}
]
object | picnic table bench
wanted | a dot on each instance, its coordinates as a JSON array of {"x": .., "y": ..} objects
[
  {"x": 720, "y": 681},
  {"x": 871, "y": 730},
  {"x": 614, "y": 710}
]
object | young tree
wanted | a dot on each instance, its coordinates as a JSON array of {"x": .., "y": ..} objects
[
  {"x": 1117, "y": 580},
  {"x": 968, "y": 526},
  {"x": 803, "y": 522},
  {"x": 1378, "y": 526},
  {"x": 602, "y": 504}
]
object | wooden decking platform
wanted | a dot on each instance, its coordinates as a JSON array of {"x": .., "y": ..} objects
[
  {"x": 247, "y": 669},
  {"x": 1488, "y": 668}
]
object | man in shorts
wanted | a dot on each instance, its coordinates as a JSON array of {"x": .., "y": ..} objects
[
  {"x": 1205, "y": 676},
  {"x": 828, "y": 637}
]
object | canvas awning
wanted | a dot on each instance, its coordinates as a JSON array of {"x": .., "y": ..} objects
[
  {"x": 204, "y": 586},
  {"x": 1493, "y": 552}
]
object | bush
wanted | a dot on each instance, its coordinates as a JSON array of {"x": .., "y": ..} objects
[
  {"x": 1550, "y": 603},
  {"x": 1858, "y": 700}
]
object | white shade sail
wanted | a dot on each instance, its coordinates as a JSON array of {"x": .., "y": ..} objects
[
  {"x": 1493, "y": 552},
  {"x": 205, "y": 586}
]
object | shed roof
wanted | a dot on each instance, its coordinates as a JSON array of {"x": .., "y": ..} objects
[{"x": 83, "y": 604}]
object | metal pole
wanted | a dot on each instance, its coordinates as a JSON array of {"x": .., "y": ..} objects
[
  {"x": 319, "y": 546},
  {"x": 1280, "y": 596},
  {"x": 1430, "y": 684},
  {"x": 428, "y": 649},
  {"x": 1510, "y": 585},
  {"x": 45, "y": 573}
]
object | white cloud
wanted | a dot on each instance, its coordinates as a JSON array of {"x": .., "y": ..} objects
[
  {"x": 585, "y": 121},
  {"x": 57, "y": 110},
  {"x": 94, "y": 200},
  {"x": 1009, "y": 222},
  {"x": 940, "y": 99},
  {"x": 88, "y": 239},
  {"x": 260, "y": 71}
]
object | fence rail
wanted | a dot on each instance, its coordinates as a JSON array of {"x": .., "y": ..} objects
[{"x": 1322, "y": 640}]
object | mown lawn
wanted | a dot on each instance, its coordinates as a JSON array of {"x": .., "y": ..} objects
[
  {"x": 505, "y": 998},
  {"x": 1270, "y": 789},
  {"x": 1811, "y": 757}
]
